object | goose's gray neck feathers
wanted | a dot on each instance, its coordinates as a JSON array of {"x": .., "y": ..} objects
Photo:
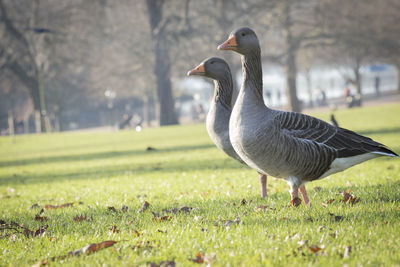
[
  {"x": 252, "y": 74},
  {"x": 223, "y": 91}
]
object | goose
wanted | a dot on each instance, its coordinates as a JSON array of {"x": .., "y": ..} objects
[
  {"x": 217, "y": 122},
  {"x": 295, "y": 147}
]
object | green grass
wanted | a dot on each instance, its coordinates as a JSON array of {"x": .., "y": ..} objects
[{"x": 100, "y": 170}]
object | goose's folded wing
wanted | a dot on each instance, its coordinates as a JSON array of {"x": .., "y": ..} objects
[{"x": 345, "y": 142}]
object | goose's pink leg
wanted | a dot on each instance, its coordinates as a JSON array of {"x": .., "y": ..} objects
[
  {"x": 303, "y": 192},
  {"x": 263, "y": 179}
]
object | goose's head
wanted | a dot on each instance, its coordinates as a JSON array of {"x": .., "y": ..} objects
[
  {"x": 214, "y": 68},
  {"x": 243, "y": 41}
]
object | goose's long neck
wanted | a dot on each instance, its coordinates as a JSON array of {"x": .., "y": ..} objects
[
  {"x": 252, "y": 75},
  {"x": 223, "y": 90}
]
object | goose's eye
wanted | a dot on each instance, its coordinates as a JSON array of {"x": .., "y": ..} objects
[
  {"x": 212, "y": 62},
  {"x": 243, "y": 34}
]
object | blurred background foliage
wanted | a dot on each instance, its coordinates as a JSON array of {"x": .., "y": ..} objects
[{"x": 78, "y": 64}]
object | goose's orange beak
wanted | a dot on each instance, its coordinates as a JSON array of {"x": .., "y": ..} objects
[
  {"x": 199, "y": 70},
  {"x": 229, "y": 44}
]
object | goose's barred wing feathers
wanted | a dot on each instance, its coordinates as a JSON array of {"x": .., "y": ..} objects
[{"x": 347, "y": 143}]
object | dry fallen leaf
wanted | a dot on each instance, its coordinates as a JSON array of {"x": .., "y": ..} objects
[
  {"x": 199, "y": 258},
  {"x": 314, "y": 248},
  {"x": 143, "y": 245},
  {"x": 161, "y": 231},
  {"x": 85, "y": 250},
  {"x": 111, "y": 208},
  {"x": 337, "y": 218},
  {"x": 39, "y": 217},
  {"x": 80, "y": 218},
  {"x": 243, "y": 202},
  {"x": 41, "y": 231},
  {"x": 162, "y": 218},
  {"x": 145, "y": 206},
  {"x": 163, "y": 264},
  {"x": 113, "y": 229},
  {"x": 185, "y": 209},
  {"x": 52, "y": 207},
  {"x": 124, "y": 209}
]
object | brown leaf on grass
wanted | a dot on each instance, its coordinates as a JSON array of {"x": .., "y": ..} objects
[
  {"x": 85, "y": 250},
  {"x": 53, "y": 207},
  {"x": 39, "y": 217},
  {"x": 185, "y": 209},
  {"x": 41, "y": 231},
  {"x": 163, "y": 264},
  {"x": 337, "y": 218},
  {"x": 262, "y": 208},
  {"x": 113, "y": 229},
  {"x": 346, "y": 196},
  {"x": 314, "y": 248},
  {"x": 228, "y": 223},
  {"x": 137, "y": 233},
  {"x": 124, "y": 209},
  {"x": 145, "y": 206},
  {"x": 161, "y": 231},
  {"x": 199, "y": 258},
  {"x": 80, "y": 218},
  {"x": 162, "y": 218},
  {"x": 96, "y": 247},
  {"x": 142, "y": 245},
  {"x": 347, "y": 251},
  {"x": 295, "y": 202},
  {"x": 243, "y": 202},
  {"x": 111, "y": 208}
]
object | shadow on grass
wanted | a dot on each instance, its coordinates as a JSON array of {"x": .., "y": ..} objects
[
  {"x": 380, "y": 131},
  {"x": 131, "y": 169},
  {"x": 101, "y": 155}
]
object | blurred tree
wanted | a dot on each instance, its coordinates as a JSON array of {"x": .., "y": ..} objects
[
  {"x": 162, "y": 66},
  {"x": 363, "y": 31}
]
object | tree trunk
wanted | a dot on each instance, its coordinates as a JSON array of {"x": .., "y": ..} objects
[
  {"x": 309, "y": 88},
  {"x": 357, "y": 79},
  {"x": 11, "y": 123},
  {"x": 162, "y": 62},
  {"x": 146, "y": 110},
  {"x": 164, "y": 89},
  {"x": 290, "y": 64},
  {"x": 291, "y": 89},
  {"x": 398, "y": 74}
]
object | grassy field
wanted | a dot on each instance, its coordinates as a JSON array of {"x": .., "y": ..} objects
[{"x": 204, "y": 207}]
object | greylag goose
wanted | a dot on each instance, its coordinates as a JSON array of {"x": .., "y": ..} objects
[
  {"x": 217, "y": 122},
  {"x": 288, "y": 145}
]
